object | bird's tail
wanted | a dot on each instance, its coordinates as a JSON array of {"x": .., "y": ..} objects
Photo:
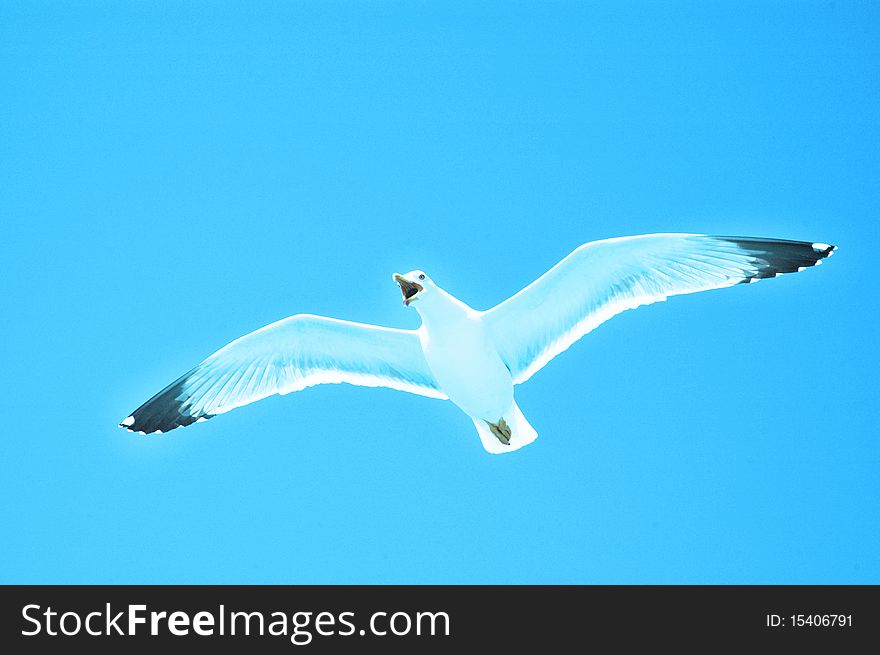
[{"x": 512, "y": 428}]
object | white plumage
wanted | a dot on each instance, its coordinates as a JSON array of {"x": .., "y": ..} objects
[{"x": 473, "y": 358}]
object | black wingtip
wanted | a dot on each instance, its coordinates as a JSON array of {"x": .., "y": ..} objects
[
  {"x": 167, "y": 410},
  {"x": 778, "y": 256}
]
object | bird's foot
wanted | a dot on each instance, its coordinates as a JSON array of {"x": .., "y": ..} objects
[{"x": 501, "y": 431}]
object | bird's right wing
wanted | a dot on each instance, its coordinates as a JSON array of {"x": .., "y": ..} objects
[
  {"x": 289, "y": 355},
  {"x": 603, "y": 278}
]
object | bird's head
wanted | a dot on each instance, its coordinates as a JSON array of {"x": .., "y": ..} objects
[{"x": 413, "y": 285}]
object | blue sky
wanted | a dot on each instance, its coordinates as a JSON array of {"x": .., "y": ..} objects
[{"x": 176, "y": 176}]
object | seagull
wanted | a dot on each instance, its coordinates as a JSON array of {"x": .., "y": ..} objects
[{"x": 473, "y": 358}]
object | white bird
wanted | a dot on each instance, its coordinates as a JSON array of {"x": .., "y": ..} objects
[{"x": 473, "y": 358}]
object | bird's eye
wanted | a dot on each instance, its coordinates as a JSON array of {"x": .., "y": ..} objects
[{"x": 421, "y": 276}]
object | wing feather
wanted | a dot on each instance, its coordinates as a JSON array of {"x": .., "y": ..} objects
[
  {"x": 604, "y": 278},
  {"x": 289, "y": 355}
]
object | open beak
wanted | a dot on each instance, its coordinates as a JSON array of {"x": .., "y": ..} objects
[{"x": 407, "y": 288}]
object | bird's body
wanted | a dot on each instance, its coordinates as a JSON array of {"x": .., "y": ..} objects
[
  {"x": 465, "y": 363},
  {"x": 473, "y": 358},
  {"x": 462, "y": 357}
]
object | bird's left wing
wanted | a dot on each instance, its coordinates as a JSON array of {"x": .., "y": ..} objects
[
  {"x": 289, "y": 355},
  {"x": 603, "y": 278}
]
